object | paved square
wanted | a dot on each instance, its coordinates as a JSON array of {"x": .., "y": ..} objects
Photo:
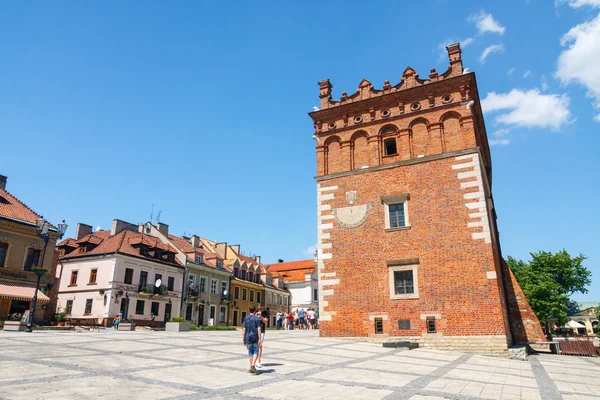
[{"x": 297, "y": 365}]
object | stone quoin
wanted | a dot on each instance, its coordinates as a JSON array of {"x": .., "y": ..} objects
[{"x": 407, "y": 238}]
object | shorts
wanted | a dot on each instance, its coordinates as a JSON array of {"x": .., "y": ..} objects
[
  {"x": 312, "y": 321},
  {"x": 302, "y": 321},
  {"x": 252, "y": 349},
  {"x": 262, "y": 336}
]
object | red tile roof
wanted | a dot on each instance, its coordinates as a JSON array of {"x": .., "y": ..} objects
[
  {"x": 292, "y": 271},
  {"x": 123, "y": 243},
  {"x": 13, "y": 208},
  {"x": 68, "y": 242}
]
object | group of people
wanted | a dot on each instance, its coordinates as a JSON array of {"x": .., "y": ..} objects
[
  {"x": 300, "y": 319},
  {"x": 255, "y": 324}
]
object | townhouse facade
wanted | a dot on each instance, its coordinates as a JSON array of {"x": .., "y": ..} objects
[
  {"x": 122, "y": 270},
  {"x": 20, "y": 253}
]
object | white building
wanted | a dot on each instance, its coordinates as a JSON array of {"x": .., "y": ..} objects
[
  {"x": 301, "y": 279},
  {"x": 122, "y": 270}
]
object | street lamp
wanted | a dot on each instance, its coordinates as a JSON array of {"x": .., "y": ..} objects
[{"x": 42, "y": 227}]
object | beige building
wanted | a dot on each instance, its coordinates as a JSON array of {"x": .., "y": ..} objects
[
  {"x": 121, "y": 270},
  {"x": 20, "y": 252}
]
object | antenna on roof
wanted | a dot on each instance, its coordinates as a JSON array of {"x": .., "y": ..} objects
[
  {"x": 152, "y": 213},
  {"x": 158, "y": 216}
]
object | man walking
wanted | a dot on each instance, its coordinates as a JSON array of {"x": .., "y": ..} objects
[
  {"x": 251, "y": 338},
  {"x": 264, "y": 320}
]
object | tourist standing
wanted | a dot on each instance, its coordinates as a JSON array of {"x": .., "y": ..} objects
[
  {"x": 264, "y": 320},
  {"x": 278, "y": 320},
  {"x": 251, "y": 338},
  {"x": 291, "y": 321}
]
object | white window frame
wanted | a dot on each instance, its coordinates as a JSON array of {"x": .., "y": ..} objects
[
  {"x": 396, "y": 199},
  {"x": 199, "y": 259},
  {"x": 192, "y": 279},
  {"x": 214, "y": 286},
  {"x": 399, "y": 268},
  {"x": 205, "y": 284},
  {"x": 222, "y": 314},
  {"x": 223, "y": 286}
]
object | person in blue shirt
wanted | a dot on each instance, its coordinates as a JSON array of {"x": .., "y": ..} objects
[
  {"x": 301, "y": 322},
  {"x": 251, "y": 338}
]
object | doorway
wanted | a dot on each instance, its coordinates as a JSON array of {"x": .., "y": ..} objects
[
  {"x": 188, "y": 311},
  {"x": 235, "y": 317},
  {"x": 213, "y": 315},
  {"x": 124, "y": 307},
  {"x": 201, "y": 315},
  {"x": 167, "y": 312}
]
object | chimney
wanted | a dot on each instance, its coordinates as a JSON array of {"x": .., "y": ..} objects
[
  {"x": 279, "y": 261},
  {"x": 3, "y": 181},
  {"x": 118, "y": 226},
  {"x": 222, "y": 250},
  {"x": 82, "y": 230},
  {"x": 195, "y": 241},
  {"x": 454, "y": 54},
  {"x": 163, "y": 228},
  {"x": 235, "y": 248},
  {"x": 257, "y": 259}
]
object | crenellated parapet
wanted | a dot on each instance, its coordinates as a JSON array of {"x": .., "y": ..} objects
[{"x": 410, "y": 79}]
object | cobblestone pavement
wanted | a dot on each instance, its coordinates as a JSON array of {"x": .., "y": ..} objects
[{"x": 297, "y": 365}]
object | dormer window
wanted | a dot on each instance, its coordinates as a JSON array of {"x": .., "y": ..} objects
[
  {"x": 220, "y": 264},
  {"x": 236, "y": 272},
  {"x": 199, "y": 259},
  {"x": 251, "y": 276}
]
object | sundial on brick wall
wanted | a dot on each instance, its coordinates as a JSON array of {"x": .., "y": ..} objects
[{"x": 353, "y": 216}]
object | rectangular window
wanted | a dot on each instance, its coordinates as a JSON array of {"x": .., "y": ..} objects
[
  {"x": 280, "y": 300},
  {"x": 32, "y": 259},
  {"x": 378, "y": 326},
  {"x": 252, "y": 295},
  {"x": 192, "y": 281},
  {"x": 244, "y": 293},
  {"x": 315, "y": 294},
  {"x": 73, "y": 281},
  {"x": 236, "y": 293},
  {"x": 397, "y": 215},
  {"x": 88, "y": 306},
  {"x": 396, "y": 211},
  {"x": 390, "y": 147},
  {"x": 403, "y": 282},
  {"x": 139, "y": 307},
  {"x": 243, "y": 315},
  {"x": 69, "y": 307},
  {"x": 213, "y": 286},
  {"x": 268, "y": 297},
  {"x": 3, "y": 251},
  {"x": 143, "y": 278},
  {"x": 156, "y": 278},
  {"x": 251, "y": 276},
  {"x": 198, "y": 258},
  {"x": 223, "y": 287},
  {"x": 219, "y": 264},
  {"x": 93, "y": 274},
  {"x": 222, "y": 314},
  {"x": 213, "y": 311},
  {"x": 431, "y": 325},
  {"x": 258, "y": 297},
  {"x": 154, "y": 308},
  {"x": 202, "y": 284},
  {"x": 128, "y": 276},
  {"x": 171, "y": 283}
]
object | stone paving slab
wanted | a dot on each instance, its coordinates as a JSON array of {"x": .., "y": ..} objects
[{"x": 297, "y": 365}]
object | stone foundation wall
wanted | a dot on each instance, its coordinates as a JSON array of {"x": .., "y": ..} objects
[{"x": 495, "y": 345}]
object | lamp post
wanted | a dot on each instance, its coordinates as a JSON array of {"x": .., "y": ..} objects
[{"x": 42, "y": 227}]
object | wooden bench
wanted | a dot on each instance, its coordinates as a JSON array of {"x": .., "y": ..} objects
[
  {"x": 93, "y": 323},
  {"x": 553, "y": 346}
]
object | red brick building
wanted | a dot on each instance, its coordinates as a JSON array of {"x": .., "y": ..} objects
[{"x": 407, "y": 237}]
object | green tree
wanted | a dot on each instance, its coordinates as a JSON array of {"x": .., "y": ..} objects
[{"x": 549, "y": 280}]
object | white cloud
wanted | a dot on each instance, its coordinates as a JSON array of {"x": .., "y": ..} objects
[
  {"x": 486, "y": 23},
  {"x": 544, "y": 83},
  {"x": 498, "y": 142},
  {"x": 310, "y": 250},
  {"x": 597, "y": 118},
  {"x": 580, "y": 61},
  {"x": 511, "y": 71},
  {"x": 501, "y": 132},
  {"x": 529, "y": 108},
  {"x": 527, "y": 74},
  {"x": 495, "y": 48},
  {"x": 578, "y": 3}
]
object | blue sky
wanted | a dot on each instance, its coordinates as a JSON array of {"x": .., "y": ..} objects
[{"x": 199, "y": 108}]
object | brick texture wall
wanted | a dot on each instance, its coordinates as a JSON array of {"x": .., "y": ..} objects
[{"x": 443, "y": 166}]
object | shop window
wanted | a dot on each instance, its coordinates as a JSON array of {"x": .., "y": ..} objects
[{"x": 154, "y": 308}]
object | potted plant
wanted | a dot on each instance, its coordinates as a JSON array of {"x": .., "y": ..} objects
[
  {"x": 127, "y": 325},
  {"x": 178, "y": 324},
  {"x": 59, "y": 318}
]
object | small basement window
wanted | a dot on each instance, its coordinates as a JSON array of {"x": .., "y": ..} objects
[
  {"x": 390, "y": 147},
  {"x": 431, "y": 325},
  {"x": 378, "y": 326}
]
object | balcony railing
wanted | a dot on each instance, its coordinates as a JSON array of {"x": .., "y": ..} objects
[{"x": 194, "y": 292}]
